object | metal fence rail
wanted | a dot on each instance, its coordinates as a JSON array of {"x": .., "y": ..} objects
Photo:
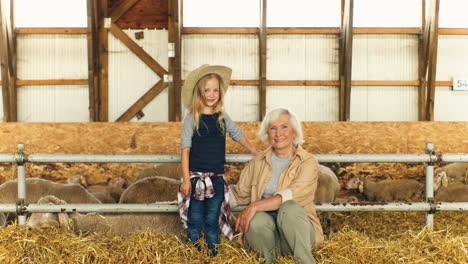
[{"x": 430, "y": 206}]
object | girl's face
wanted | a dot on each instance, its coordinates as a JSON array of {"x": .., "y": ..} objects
[{"x": 211, "y": 92}]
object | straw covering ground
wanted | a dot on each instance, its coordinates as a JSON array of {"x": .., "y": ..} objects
[{"x": 375, "y": 237}]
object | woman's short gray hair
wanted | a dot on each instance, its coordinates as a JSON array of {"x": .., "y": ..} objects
[{"x": 272, "y": 116}]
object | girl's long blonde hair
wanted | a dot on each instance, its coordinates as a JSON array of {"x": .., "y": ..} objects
[{"x": 198, "y": 100}]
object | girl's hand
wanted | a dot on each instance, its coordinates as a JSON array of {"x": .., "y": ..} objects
[{"x": 186, "y": 187}]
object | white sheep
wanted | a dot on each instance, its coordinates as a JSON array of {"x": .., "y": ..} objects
[
  {"x": 455, "y": 172},
  {"x": 387, "y": 190},
  {"x": 169, "y": 170},
  {"x": 113, "y": 224},
  {"x": 449, "y": 192},
  {"x": 37, "y": 188},
  {"x": 151, "y": 190},
  {"x": 327, "y": 185},
  {"x": 109, "y": 192}
]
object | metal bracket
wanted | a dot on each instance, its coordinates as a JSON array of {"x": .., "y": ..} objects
[
  {"x": 20, "y": 157},
  {"x": 20, "y": 207},
  {"x": 432, "y": 204},
  {"x": 171, "y": 49},
  {"x": 107, "y": 22},
  {"x": 167, "y": 78}
]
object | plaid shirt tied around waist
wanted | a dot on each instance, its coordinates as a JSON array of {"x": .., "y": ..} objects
[{"x": 204, "y": 190}]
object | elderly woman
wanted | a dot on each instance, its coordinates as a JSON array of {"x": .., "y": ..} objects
[{"x": 279, "y": 186}]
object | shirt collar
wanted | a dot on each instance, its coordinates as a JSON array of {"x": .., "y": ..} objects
[{"x": 266, "y": 155}]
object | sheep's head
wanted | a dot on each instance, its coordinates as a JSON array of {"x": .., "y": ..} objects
[
  {"x": 49, "y": 219},
  {"x": 440, "y": 179},
  {"x": 352, "y": 183},
  {"x": 78, "y": 179},
  {"x": 118, "y": 182}
]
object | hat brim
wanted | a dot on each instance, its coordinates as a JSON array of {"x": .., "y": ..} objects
[{"x": 193, "y": 77}]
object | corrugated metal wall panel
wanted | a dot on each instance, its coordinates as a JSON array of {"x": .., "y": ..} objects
[
  {"x": 241, "y": 103},
  {"x": 385, "y": 57},
  {"x": 452, "y": 57},
  {"x": 452, "y": 62},
  {"x": 387, "y": 103},
  {"x": 130, "y": 78},
  {"x": 52, "y": 56},
  {"x": 317, "y": 103},
  {"x": 450, "y": 105},
  {"x": 302, "y": 57},
  {"x": 51, "y": 103},
  {"x": 239, "y": 52},
  {"x": 49, "y": 56}
]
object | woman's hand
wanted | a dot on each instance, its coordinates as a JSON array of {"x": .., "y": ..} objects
[
  {"x": 244, "y": 218},
  {"x": 186, "y": 187}
]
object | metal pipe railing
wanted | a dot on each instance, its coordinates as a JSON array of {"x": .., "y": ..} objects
[{"x": 430, "y": 207}]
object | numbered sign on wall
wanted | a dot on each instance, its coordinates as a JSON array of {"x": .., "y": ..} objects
[{"x": 460, "y": 84}]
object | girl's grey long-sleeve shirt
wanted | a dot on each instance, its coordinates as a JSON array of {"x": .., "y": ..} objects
[{"x": 188, "y": 129}]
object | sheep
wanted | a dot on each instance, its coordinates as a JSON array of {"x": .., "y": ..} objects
[
  {"x": 112, "y": 224},
  {"x": 449, "y": 192},
  {"x": 37, "y": 188},
  {"x": 326, "y": 192},
  {"x": 169, "y": 170},
  {"x": 150, "y": 190},
  {"x": 455, "y": 172},
  {"x": 108, "y": 193},
  {"x": 387, "y": 190}
]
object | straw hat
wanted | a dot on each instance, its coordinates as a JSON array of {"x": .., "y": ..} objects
[{"x": 193, "y": 77}]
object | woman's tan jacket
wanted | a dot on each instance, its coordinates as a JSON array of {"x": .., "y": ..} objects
[{"x": 297, "y": 182}]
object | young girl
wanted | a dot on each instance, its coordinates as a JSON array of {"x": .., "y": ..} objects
[{"x": 203, "y": 196}]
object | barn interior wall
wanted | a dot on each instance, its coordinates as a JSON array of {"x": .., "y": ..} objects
[
  {"x": 130, "y": 78},
  {"x": 452, "y": 62}
]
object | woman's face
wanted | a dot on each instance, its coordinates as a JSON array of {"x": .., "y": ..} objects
[{"x": 281, "y": 133}]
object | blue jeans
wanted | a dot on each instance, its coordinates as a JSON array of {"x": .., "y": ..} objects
[{"x": 206, "y": 213}]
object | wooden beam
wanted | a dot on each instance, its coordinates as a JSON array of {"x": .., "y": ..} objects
[
  {"x": 51, "y": 30},
  {"x": 93, "y": 60},
  {"x": 8, "y": 65},
  {"x": 139, "y": 52},
  {"x": 453, "y": 31},
  {"x": 196, "y": 30},
  {"x": 384, "y": 83},
  {"x": 103, "y": 32},
  {"x": 432, "y": 58},
  {"x": 142, "y": 102},
  {"x": 422, "y": 66},
  {"x": 302, "y": 83},
  {"x": 386, "y": 31},
  {"x": 346, "y": 48},
  {"x": 121, "y": 9},
  {"x": 52, "y": 82},
  {"x": 262, "y": 37},
  {"x": 175, "y": 63},
  {"x": 303, "y": 30}
]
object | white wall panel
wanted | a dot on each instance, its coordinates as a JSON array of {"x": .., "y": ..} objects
[
  {"x": 51, "y": 103},
  {"x": 450, "y": 105},
  {"x": 452, "y": 57},
  {"x": 385, "y": 57},
  {"x": 384, "y": 103},
  {"x": 52, "y": 56},
  {"x": 241, "y": 103},
  {"x": 310, "y": 103},
  {"x": 130, "y": 78},
  {"x": 239, "y": 52},
  {"x": 302, "y": 57}
]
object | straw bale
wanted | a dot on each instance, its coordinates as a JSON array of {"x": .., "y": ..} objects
[{"x": 368, "y": 237}]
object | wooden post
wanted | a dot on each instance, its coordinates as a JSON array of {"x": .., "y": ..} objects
[
  {"x": 346, "y": 49},
  {"x": 263, "y": 60},
  {"x": 93, "y": 60},
  {"x": 8, "y": 54},
  {"x": 103, "y": 48},
  {"x": 422, "y": 66},
  {"x": 175, "y": 64},
  {"x": 432, "y": 58}
]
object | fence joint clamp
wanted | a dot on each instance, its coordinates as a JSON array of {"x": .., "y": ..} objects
[{"x": 432, "y": 205}]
